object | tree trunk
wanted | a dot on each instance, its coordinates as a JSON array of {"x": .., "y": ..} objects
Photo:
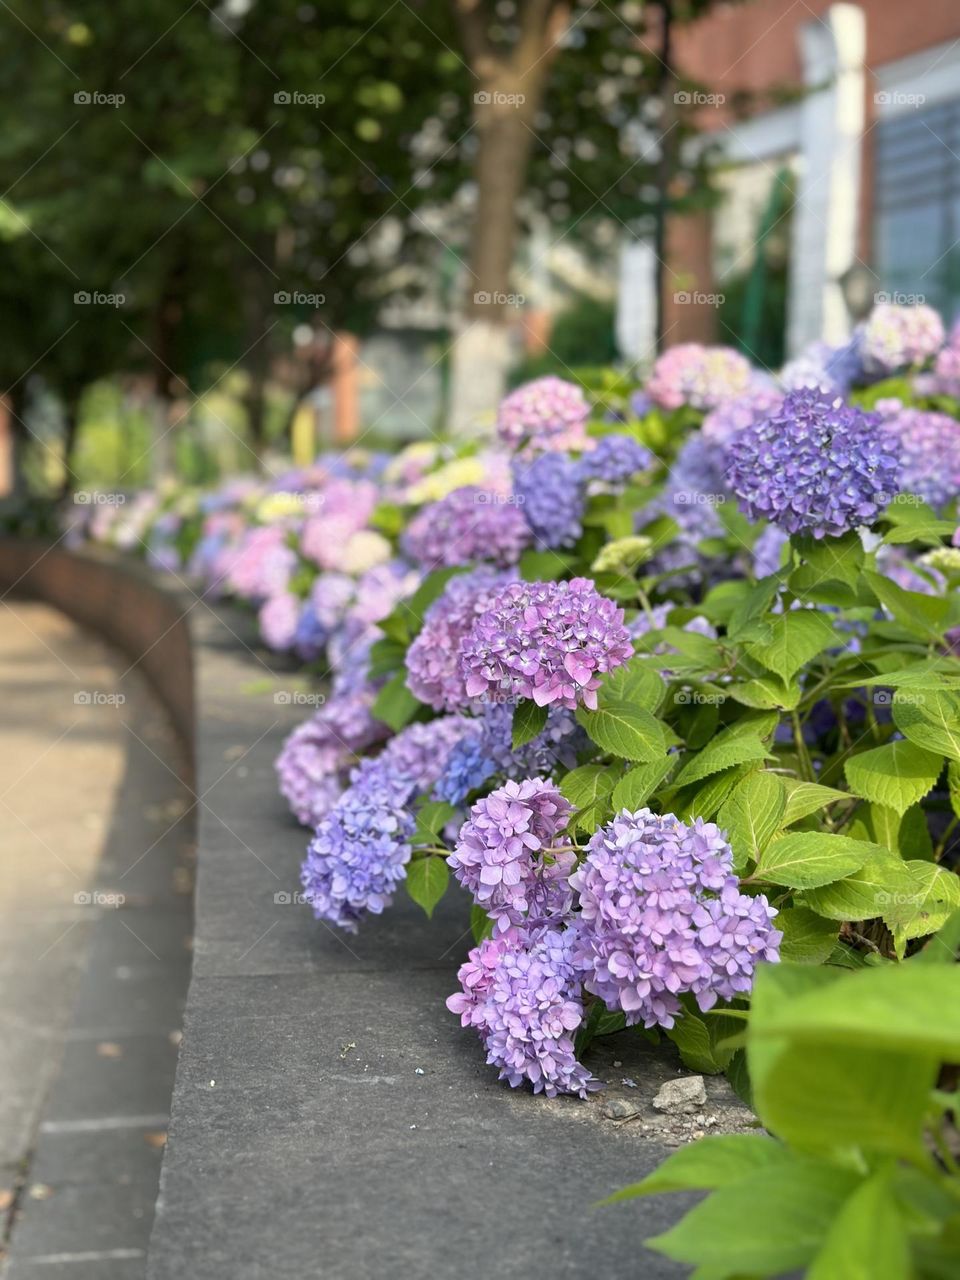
[{"x": 508, "y": 97}]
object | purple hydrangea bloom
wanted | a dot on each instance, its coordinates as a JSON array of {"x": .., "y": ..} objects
[
  {"x": 521, "y": 993},
  {"x": 550, "y": 493},
  {"x": 695, "y": 488},
  {"x": 896, "y": 337},
  {"x": 547, "y": 413},
  {"x": 661, "y": 914},
  {"x": 262, "y": 565},
  {"x": 722, "y": 424},
  {"x": 549, "y": 641},
  {"x": 433, "y": 661},
  {"x": 946, "y": 370},
  {"x": 930, "y": 449},
  {"x": 640, "y": 403},
  {"x": 474, "y": 761},
  {"x": 310, "y": 635},
  {"x": 817, "y": 466},
  {"x": 314, "y": 761},
  {"x": 468, "y": 524},
  {"x": 502, "y": 856},
  {"x": 614, "y": 460},
  {"x": 698, "y": 376},
  {"x": 831, "y": 369},
  {"x": 361, "y": 848},
  {"x": 278, "y": 619},
  {"x": 768, "y": 551}
]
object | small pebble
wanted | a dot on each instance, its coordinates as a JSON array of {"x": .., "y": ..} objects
[
  {"x": 619, "y": 1109},
  {"x": 681, "y": 1096}
]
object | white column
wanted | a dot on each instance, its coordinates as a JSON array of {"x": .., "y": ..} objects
[{"x": 827, "y": 208}]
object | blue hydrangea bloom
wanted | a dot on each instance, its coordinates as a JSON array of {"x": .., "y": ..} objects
[{"x": 550, "y": 494}]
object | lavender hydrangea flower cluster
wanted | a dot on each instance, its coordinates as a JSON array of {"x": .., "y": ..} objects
[
  {"x": 661, "y": 914},
  {"x": 503, "y": 854},
  {"x": 278, "y": 619},
  {"x": 521, "y": 993},
  {"x": 930, "y": 448},
  {"x": 548, "y": 413},
  {"x": 550, "y": 493},
  {"x": 314, "y": 760},
  {"x": 468, "y": 524},
  {"x": 896, "y": 337},
  {"x": 831, "y": 369},
  {"x": 262, "y": 565},
  {"x": 614, "y": 460},
  {"x": 722, "y": 424},
  {"x": 433, "y": 659},
  {"x": 361, "y": 848},
  {"x": 476, "y": 759},
  {"x": 698, "y": 376},
  {"x": 549, "y": 641},
  {"x": 817, "y": 466}
]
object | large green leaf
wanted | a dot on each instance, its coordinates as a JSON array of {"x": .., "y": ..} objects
[
  {"x": 629, "y": 732},
  {"x": 634, "y": 683},
  {"x": 931, "y": 719},
  {"x": 935, "y": 897},
  {"x": 427, "y": 880},
  {"x": 804, "y": 798},
  {"x": 896, "y": 775},
  {"x": 764, "y": 1224},
  {"x": 528, "y": 721},
  {"x": 739, "y": 744},
  {"x": 923, "y": 615},
  {"x": 752, "y": 814},
  {"x": 807, "y": 937},
  {"x": 637, "y": 785},
  {"x": 866, "y": 893},
  {"x": 395, "y": 705},
  {"x": 867, "y": 1239},
  {"x": 809, "y": 859},
  {"x": 795, "y": 637},
  {"x": 708, "y": 1164}
]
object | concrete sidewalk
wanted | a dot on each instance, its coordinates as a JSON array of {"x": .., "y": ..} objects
[{"x": 95, "y": 935}]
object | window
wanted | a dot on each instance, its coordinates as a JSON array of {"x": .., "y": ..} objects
[{"x": 917, "y": 205}]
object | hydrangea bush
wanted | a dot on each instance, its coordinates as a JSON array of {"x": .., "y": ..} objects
[{"x": 664, "y": 681}]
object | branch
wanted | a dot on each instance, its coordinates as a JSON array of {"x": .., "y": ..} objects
[{"x": 472, "y": 21}]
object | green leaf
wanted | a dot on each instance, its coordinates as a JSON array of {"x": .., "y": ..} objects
[
  {"x": 896, "y": 775},
  {"x": 633, "y": 683},
  {"x": 432, "y": 817},
  {"x": 864, "y": 894},
  {"x": 628, "y": 732},
  {"x": 827, "y": 560},
  {"x": 395, "y": 705},
  {"x": 885, "y": 826},
  {"x": 867, "y": 1239},
  {"x": 766, "y": 694},
  {"x": 804, "y": 798},
  {"x": 795, "y": 637},
  {"x": 930, "y": 719},
  {"x": 935, "y": 897},
  {"x": 544, "y": 566},
  {"x": 920, "y": 614},
  {"x": 807, "y": 937},
  {"x": 386, "y": 656},
  {"x": 430, "y": 589},
  {"x": 736, "y": 745},
  {"x": 708, "y": 1164},
  {"x": 809, "y": 859},
  {"x": 752, "y": 814},
  {"x": 763, "y": 1224},
  {"x": 427, "y": 880},
  {"x": 481, "y": 926},
  {"x": 748, "y": 621},
  {"x": 943, "y": 947},
  {"x": 528, "y": 721},
  {"x": 588, "y": 789},
  {"x": 697, "y": 1051},
  {"x": 636, "y": 787}
]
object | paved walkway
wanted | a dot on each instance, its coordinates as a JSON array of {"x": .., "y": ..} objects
[{"x": 95, "y": 924}]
